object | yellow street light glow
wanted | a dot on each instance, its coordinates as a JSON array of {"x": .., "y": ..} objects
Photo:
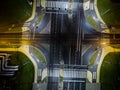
[
  {"x": 103, "y": 43},
  {"x": 26, "y": 42},
  {"x": 25, "y": 29}
]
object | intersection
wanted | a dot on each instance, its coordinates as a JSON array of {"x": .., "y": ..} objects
[{"x": 66, "y": 40}]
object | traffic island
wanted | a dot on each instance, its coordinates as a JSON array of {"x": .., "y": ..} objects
[
  {"x": 93, "y": 58},
  {"x": 90, "y": 15}
]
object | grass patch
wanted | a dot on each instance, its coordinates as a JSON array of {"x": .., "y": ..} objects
[
  {"x": 14, "y": 12},
  {"x": 15, "y": 30},
  {"x": 23, "y": 78},
  {"x": 92, "y": 22},
  {"x": 61, "y": 79},
  {"x": 40, "y": 18},
  {"x": 39, "y": 55},
  {"x": 44, "y": 80},
  {"x": 70, "y": 1},
  {"x": 110, "y": 12},
  {"x": 61, "y": 74},
  {"x": 86, "y": 0},
  {"x": 110, "y": 72},
  {"x": 93, "y": 58}
]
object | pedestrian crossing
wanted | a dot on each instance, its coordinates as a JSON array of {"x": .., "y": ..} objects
[
  {"x": 69, "y": 73},
  {"x": 59, "y": 4}
]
